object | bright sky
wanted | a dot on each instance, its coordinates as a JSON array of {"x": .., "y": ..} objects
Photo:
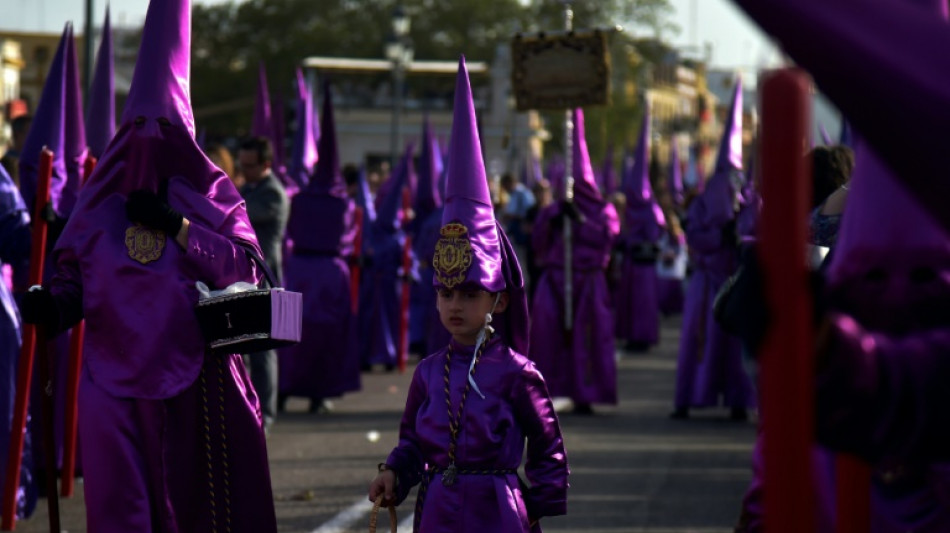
[{"x": 735, "y": 40}]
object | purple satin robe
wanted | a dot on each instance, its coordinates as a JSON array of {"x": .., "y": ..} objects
[
  {"x": 516, "y": 408},
  {"x": 637, "y": 317},
  {"x": 709, "y": 370},
  {"x": 586, "y": 369},
  {"x": 325, "y": 363}
]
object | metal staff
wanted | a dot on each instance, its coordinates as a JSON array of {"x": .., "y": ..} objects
[
  {"x": 25, "y": 364},
  {"x": 569, "y": 198},
  {"x": 72, "y": 384},
  {"x": 788, "y": 348}
]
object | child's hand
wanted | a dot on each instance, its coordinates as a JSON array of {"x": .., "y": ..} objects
[{"x": 383, "y": 484}]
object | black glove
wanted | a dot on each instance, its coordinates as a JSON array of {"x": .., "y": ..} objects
[
  {"x": 38, "y": 307},
  {"x": 146, "y": 208}
]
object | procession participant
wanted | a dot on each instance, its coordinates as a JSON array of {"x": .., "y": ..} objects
[
  {"x": 426, "y": 331},
  {"x": 579, "y": 363},
  {"x": 637, "y": 315},
  {"x": 325, "y": 364},
  {"x": 128, "y": 262},
  {"x": 709, "y": 370},
  {"x": 383, "y": 242},
  {"x": 14, "y": 249},
  {"x": 473, "y": 404}
]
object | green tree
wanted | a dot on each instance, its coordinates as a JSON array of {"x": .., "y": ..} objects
[{"x": 231, "y": 39}]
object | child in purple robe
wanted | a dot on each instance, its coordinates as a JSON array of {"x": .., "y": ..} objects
[{"x": 473, "y": 405}]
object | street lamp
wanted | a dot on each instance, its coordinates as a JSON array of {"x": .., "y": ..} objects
[{"x": 399, "y": 52}]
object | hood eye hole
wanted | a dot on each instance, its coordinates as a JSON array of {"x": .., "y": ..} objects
[
  {"x": 139, "y": 121},
  {"x": 162, "y": 121},
  {"x": 923, "y": 275}
]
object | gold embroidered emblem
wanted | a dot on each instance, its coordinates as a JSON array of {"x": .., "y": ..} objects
[
  {"x": 145, "y": 245},
  {"x": 453, "y": 255}
]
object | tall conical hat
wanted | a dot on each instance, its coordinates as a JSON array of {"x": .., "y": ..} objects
[
  {"x": 74, "y": 136},
  {"x": 473, "y": 249},
  {"x": 642, "y": 207},
  {"x": 100, "y": 113},
  {"x": 730, "y": 147},
  {"x": 390, "y": 201},
  {"x": 427, "y": 197},
  {"x": 48, "y": 130},
  {"x": 327, "y": 176},
  {"x": 304, "y": 155},
  {"x": 586, "y": 193},
  {"x": 263, "y": 122}
]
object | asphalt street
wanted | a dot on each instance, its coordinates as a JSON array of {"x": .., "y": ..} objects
[{"x": 632, "y": 468}]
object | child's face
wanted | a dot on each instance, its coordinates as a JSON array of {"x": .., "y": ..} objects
[{"x": 462, "y": 311}]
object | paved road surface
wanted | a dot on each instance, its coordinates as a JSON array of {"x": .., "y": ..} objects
[{"x": 632, "y": 469}]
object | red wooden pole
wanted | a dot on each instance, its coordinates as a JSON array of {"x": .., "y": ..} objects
[
  {"x": 788, "y": 349},
  {"x": 853, "y": 492},
  {"x": 355, "y": 270},
  {"x": 27, "y": 349},
  {"x": 403, "y": 348},
  {"x": 72, "y": 384}
]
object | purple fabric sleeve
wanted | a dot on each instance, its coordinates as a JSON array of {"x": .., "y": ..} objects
[
  {"x": 406, "y": 458},
  {"x": 216, "y": 260},
  {"x": 546, "y": 465},
  {"x": 885, "y": 398}
]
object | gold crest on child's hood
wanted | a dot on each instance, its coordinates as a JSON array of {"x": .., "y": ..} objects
[{"x": 453, "y": 255}]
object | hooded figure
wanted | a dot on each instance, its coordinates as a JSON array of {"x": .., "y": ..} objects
[
  {"x": 426, "y": 332},
  {"x": 579, "y": 363},
  {"x": 14, "y": 250},
  {"x": 155, "y": 217},
  {"x": 305, "y": 153},
  {"x": 671, "y": 266},
  {"x": 709, "y": 371},
  {"x": 381, "y": 282},
  {"x": 325, "y": 364},
  {"x": 270, "y": 125},
  {"x": 100, "y": 110},
  {"x": 490, "y": 382},
  {"x": 638, "y": 318},
  {"x": 58, "y": 126}
]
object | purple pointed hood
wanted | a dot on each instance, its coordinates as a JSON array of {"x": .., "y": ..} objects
[
  {"x": 74, "y": 137},
  {"x": 722, "y": 189},
  {"x": 48, "y": 130},
  {"x": 327, "y": 176},
  {"x": 280, "y": 133},
  {"x": 636, "y": 177},
  {"x": 124, "y": 263},
  {"x": 608, "y": 174},
  {"x": 473, "y": 249},
  {"x": 305, "y": 153},
  {"x": 676, "y": 174},
  {"x": 100, "y": 113},
  {"x": 161, "y": 84},
  {"x": 876, "y": 62},
  {"x": 427, "y": 197},
  {"x": 263, "y": 122},
  {"x": 586, "y": 193},
  {"x": 389, "y": 203},
  {"x": 643, "y": 214},
  {"x": 730, "y": 147},
  {"x": 364, "y": 199}
]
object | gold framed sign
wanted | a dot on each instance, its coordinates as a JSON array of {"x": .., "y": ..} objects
[{"x": 560, "y": 71}]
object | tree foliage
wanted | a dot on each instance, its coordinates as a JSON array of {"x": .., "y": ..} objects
[{"x": 230, "y": 39}]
